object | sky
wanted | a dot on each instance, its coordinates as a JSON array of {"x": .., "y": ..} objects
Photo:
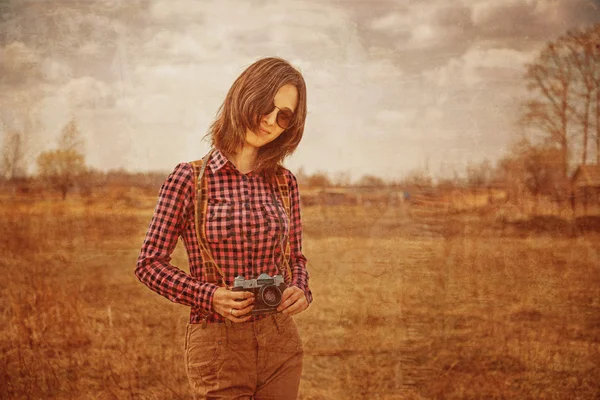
[{"x": 393, "y": 86}]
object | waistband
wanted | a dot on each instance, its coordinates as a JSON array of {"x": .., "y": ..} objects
[{"x": 277, "y": 320}]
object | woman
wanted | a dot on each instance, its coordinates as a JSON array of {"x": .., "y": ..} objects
[{"x": 231, "y": 352}]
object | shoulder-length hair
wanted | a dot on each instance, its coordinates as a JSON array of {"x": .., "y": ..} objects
[{"x": 252, "y": 93}]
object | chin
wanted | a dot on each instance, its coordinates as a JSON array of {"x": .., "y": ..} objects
[{"x": 257, "y": 141}]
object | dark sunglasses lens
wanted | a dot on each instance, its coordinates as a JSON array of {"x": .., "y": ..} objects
[
  {"x": 268, "y": 109},
  {"x": 284, "y": 118}
]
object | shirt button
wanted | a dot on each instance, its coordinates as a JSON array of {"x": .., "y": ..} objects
[
  {"x": 244, "y": 178},
  {"x": 246, "y": 205}
]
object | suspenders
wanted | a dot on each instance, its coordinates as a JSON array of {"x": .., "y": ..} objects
[
  {"x": 210, "y": 267},
  {"x": 284, "y": 193},
  {"x": 213, "y": 273}
]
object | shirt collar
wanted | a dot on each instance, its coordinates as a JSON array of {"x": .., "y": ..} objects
[{"x": 219, "y": 160}]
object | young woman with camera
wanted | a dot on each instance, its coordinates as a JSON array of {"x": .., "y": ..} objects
[{"x": 238, "y": 214}]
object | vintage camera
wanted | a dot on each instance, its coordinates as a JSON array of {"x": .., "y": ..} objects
[{"x": 267, "y": 291}]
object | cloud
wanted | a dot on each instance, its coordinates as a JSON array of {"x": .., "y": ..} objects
[
  {"x": 383, "y": 69},
  {"x": 175, "y": 46},
  {"x": 19, "y": 64},
  {"x": 481, "y": 66},
  {"x": 56, "y": 71},
  {"x": 254, "y": 28},
  {"x": 86, "y": 93},
  {"x": 178, "y": 9},
  {"x": 514, "y": 18},
  {"x": 393, "y": 23},
  {"x": 527, "y": 22},
  {"x": 423, "y": 25}
]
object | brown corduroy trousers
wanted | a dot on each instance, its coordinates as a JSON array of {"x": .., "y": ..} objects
[{"x": 253, "y": 360}]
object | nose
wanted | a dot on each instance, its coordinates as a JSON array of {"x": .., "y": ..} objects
[{"x": 271, "y": 118}]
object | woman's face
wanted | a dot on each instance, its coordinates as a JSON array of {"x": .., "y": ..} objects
[{"x": 286, "y": 98}]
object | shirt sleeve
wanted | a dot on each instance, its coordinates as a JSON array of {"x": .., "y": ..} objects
[
  {"x": 298, "y": 260},
  {"x": 153, "y": 265}
]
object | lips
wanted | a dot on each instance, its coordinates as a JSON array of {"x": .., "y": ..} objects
[{"x": 264, "y": 131}]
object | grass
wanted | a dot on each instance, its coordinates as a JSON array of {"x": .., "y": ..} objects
[{"x": 409, "y": 303}]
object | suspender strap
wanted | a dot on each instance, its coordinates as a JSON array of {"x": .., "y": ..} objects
[
  {"x": 284, "y": 193},
  {"x": 211, "y": 268}
]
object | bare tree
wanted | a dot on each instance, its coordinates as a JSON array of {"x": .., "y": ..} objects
[
  {"x": 564, "y": 84},
  {"x": 61, "y": 169},
  {"x": 70, "y": 138},
  {"x": 64, "y": 168},
  {"x": 595, "y": 40},
  {"x": 13, "y": 163},
  {"x": 586, "y": 61},
  {"x": 550, "y": 79}
]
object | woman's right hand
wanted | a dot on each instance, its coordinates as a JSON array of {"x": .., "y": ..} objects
[{"x": 234, "y": 306}]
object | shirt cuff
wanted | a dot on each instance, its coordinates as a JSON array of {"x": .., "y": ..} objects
[
  {"x": 302, "y": 286},
  {"x": 205, "y": 296}
]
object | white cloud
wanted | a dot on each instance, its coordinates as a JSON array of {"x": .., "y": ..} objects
[
  {"x": 56, "y": 71},
  {"x": 394, "y": 23},
  {"x": 424, "y": 33},
  {"x": 86, "y": 92},
  {"x": 170, "y": 43},
  {"x": 419, "y": 25},
  {"x": 481, "y": 66},
  {"x": 383, "y": 69}
]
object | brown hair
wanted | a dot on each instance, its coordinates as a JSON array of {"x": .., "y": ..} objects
[{"x": 252, "y": 92}]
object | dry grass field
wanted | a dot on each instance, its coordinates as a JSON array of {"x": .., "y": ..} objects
[{"x": 417, "y": 303}]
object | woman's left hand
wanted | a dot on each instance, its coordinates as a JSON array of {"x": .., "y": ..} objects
[{"x": 293, "y": 301}]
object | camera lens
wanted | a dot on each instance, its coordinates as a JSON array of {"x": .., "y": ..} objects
[{"x": 270, "y": 295}]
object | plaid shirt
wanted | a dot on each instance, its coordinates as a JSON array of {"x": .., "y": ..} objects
[{"x": 242, "y": 229}]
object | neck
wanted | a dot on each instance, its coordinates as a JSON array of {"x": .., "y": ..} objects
[{"x": 245, "y": 159}]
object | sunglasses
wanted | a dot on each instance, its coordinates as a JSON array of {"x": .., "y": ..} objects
[{"x": 284, "y": 117}]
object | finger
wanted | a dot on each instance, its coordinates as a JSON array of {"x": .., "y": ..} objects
[
  {"x": 297, "y": 307},
  {"x": 243, "y": 311},
  {"x": 240, "y": 304},
  {"x": 239, "y": 296},
  {"x": 238, "y": 317},
  {"x": 287, "y": 293},
  {"x": 239, "y": 312},
  {"x": 290, "y": 300}
]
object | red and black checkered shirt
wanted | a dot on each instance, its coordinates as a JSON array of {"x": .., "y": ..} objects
[{"x": 242, "y": 229}]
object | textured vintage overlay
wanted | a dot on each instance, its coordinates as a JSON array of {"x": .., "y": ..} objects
[{"x": 449, "y": 178}]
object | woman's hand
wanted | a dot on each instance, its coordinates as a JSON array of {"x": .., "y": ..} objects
[
  {"x": 293, "y": 301},
  {"x": 234, "y": 306}
]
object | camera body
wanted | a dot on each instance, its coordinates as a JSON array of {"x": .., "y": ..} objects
[{"x": 267, "y": 292}]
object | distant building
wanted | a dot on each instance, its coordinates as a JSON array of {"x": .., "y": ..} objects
[{"x": 585, "y": 184}]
